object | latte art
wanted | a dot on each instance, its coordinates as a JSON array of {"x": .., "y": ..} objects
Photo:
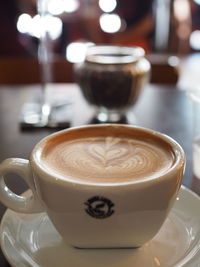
[
  {"x": 107, "y": 153},
  {"x": 107, "y": 159}
]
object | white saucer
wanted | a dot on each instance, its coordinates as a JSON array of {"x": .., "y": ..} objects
[{"x": 31, "y": 240}]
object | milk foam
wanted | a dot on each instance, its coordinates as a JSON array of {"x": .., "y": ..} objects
[{"x": 107, "y": 159}]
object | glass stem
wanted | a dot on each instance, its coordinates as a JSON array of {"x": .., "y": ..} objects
[{"x": 45, "y": 61}]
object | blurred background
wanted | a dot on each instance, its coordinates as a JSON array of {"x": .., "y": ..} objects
[{"x": 168, "y": 30}]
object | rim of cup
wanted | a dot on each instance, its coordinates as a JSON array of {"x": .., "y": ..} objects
[
  {"x": 114, "y": 54},
  {"x": 178, "y": 151}
]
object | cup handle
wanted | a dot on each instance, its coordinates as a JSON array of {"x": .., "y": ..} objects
[{"x": 22, "y": 204}]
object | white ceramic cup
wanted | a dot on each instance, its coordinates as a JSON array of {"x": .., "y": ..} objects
[{"x": 127, "y": 214}]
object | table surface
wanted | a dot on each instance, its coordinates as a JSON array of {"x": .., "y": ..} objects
[{"x": 162, "y": 108}]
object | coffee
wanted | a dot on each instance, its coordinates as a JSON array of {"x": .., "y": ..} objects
[
  {"x": 108, "y": 156},
  {"x": 111, "y": 79},
  {"x": 102, "y": 186}
]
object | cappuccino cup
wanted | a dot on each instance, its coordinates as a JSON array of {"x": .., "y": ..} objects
[{"x": 102, "y": 186}]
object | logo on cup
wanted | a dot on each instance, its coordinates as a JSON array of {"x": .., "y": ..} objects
[{"x": 99, "y": 207}]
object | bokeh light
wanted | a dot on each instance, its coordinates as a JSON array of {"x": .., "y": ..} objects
[
  {"x": 181, "y": 10},
  {"x": 195, "y": 40},
  {"x": 197, "y": 2},
  {"x": 23, "y": 23},
  {"x": 71, "y": 5},
  {"x": 35, "y": 26},
  {"x": 56, "y": 7},
  {"x": 173, "y": 61},
  {"x": 107, "y": 5},
  {"x": 76, "y": 51},
  {"x": 110, "y": 23}
]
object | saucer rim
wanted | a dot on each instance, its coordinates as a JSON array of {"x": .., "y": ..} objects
[{"x": 13, "y": 264}]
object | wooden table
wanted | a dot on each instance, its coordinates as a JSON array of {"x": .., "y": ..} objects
[{"x": 165, "y": 109}]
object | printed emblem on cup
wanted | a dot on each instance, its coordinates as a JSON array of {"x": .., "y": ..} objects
[{"x": 99, "y": 207}]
